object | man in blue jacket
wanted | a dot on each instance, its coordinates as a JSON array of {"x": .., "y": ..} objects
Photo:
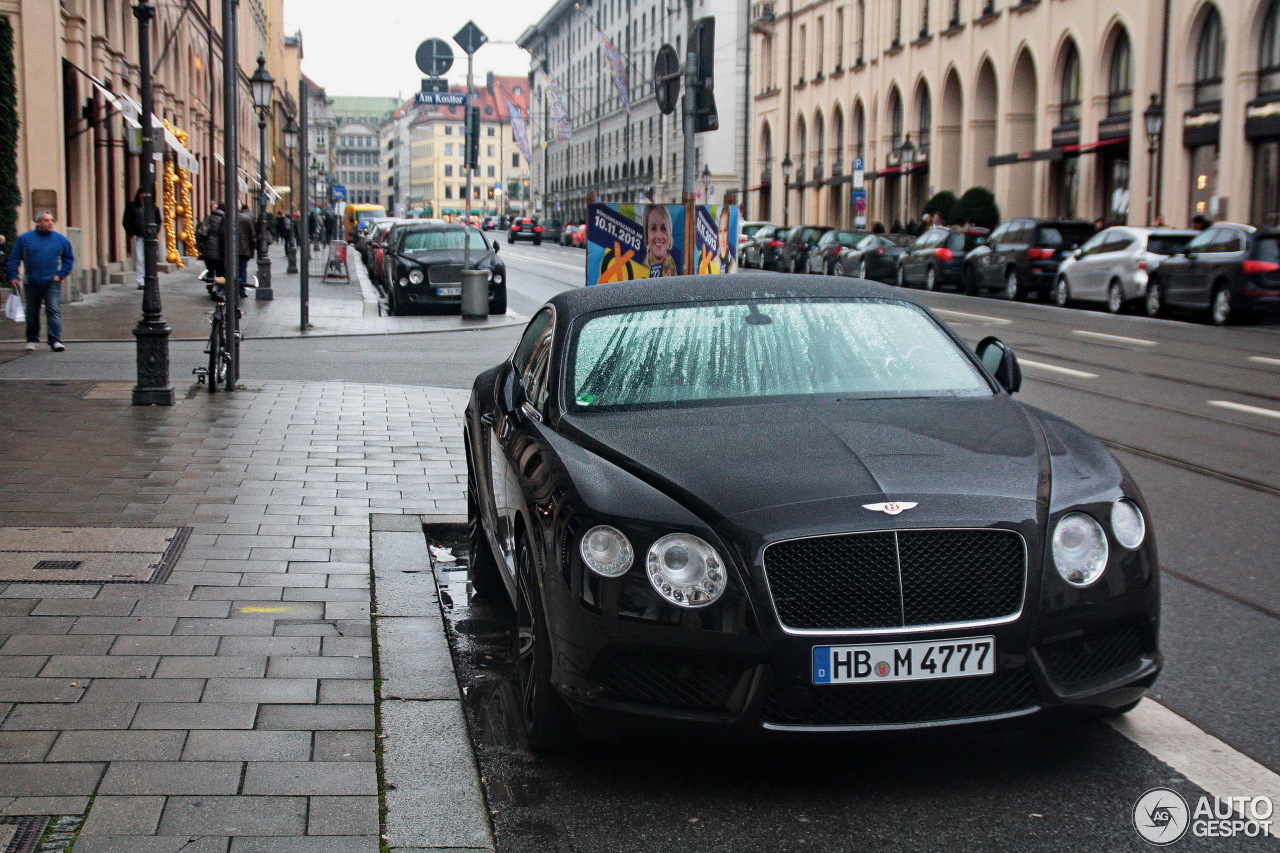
[{"x": 48, "y": 259}]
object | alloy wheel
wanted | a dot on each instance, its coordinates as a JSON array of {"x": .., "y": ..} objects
[
  {"x": 1062, "y": 293},
  {"x": 1220, "y": 306},
  {"x": 547, "y": 724},
  {"x": 1115, "y": 298},
  {"x": 1154, "y": 303},
  {"x": 1012, "y": 290},
  {"x": 930, "y": 280}
]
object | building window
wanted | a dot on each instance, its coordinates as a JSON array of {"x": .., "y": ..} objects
[
  {"x": 859, "y": 36},
  {"x": 1269, "y": 52},
  {"x": 448, "y": 170},
  {"x": 489, "y": 131},
  {"x": 840, "y": 38},
  {"x": 448, "y": 149},
  {"x": 924, "y": 18},
  {"x": 925, "y": 110},
  {"x": 448, "y": 130},
  {"x": 897, "y": 24},
  {"x": 1070, "y": 110},
  {"x": 515, "y": 160},
  {"x": 820, "y": 43},
  {"x": 489, "y": 171},
  {"x": 490, "y": 149},
  {"x": 895, "y": 120},
  {"x": 1209, "y": 61},
  {"x": 802, "y": 50},
  {"x": 448, "y": 190},
  {"x": 1120, "y": 80}
]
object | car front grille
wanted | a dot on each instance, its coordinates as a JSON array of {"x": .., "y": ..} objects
[
  {"x": 671, "y": 681},
  {"x": 1079, "y": 659},
  {"x": 896, "y": 579},
  {"x": 901, "y": 703},
  {"x": 444, "y": 273}
]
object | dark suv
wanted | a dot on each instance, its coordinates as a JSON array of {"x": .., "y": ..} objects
[
  {"x": 1021, "y": 257},
  {"x": 1228, "y": 271},
  {"x": 794, "y": 254},
  {"x": 936, "y": 259},
  {"x": 525, "y": 229}
]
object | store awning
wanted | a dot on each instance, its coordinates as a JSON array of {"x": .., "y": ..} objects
[
  {"x": 131, "y": 111},
  {"x": 248, "y": 181},
  {"x": 1060, "y": 152}
]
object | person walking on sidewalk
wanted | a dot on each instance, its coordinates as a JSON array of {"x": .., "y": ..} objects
[
  {"x": 48, "y": 259},
  {"x": 209, "y": 244},
  {"x": 247, "y": 242},
  {"x": 135, "y": 228}
]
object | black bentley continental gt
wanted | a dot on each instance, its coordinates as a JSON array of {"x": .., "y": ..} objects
[
  {"x": 796, "y": 505},
  {"x": 424, "y": 261}
]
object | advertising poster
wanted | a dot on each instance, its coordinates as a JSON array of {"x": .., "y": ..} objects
[{"x": 633, "y": 241}]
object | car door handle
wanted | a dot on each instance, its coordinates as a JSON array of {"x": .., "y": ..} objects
[{"x": 487, "y": 419}]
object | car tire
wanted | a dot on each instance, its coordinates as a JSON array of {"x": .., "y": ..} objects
[
  {"x": 1013, "y": 290},
  {"x": 547, "y": 723},
  {"x": 1154, "y": 301},
  {"x": 1220, "y": 310},
  {"x": 537, "y": 241},
  {"x": 498, "y": 301},
  {"x": 971, "y": 285},
  {"x": 482, "y": 568},
  {"x": 510, "y": 240},
  {"x": 1115, "y": 298},
  {"x": 930, "y": 280},
  {"x": 1062, "y": 292}
]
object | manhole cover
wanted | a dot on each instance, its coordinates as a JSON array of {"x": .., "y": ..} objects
[
  {"x": 89, "y": 554},
  {"x": 21, "y": 834}
]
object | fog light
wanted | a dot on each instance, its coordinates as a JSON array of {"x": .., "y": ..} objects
[{"x": 1128, "y": 524}]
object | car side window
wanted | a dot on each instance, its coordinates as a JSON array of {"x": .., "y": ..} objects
[
  {"x": 1202, "y": 242},
  {"x": 1228, "y": 241},
  {"x": 522, "y": 358},
  {"x": 1094, "y": 244},
  {"x": 997, "y": 236},
  {"x": 537, "y": 378}
]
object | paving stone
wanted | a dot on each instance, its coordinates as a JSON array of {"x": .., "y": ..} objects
[
  {"x": 244, "y": 627},
  {"x": 287, "y": 579},
  {"x": 72, "y": 607},
  {"x": 273, "y": 646},
  {"x": 225, "y": 593},
  {"x": 53, "y": 805},
  {"x": 152, "y": 844},
  {"x": 309, "y": 844},
  {"x": 82, "y": 716},
  {"x": 343, "y": 816},
  {"x": 307, "y": 628},
  {"x": 228, "y": 745},
  {"x": 345, "y": 691},
  {"x": 347, "y": 646},
  {"x": 27, "y": 665},
  {"x": 171, "y": 778},
  {"x": 343, "y": 746},
  {"x": 11, "y": 605},
  {"x": 50, "y": 780},
  {"x": 320, "y": 667},
  {"x": 319, "y": 592},
  {"x": 205, "y": 714},
  {"x": 144, "y": 690},
  {"x": 314, "y": 717},
  {"x": 19, "y": 625},
  {"x": 100, "y": 666},
  {"x": 235, "y": 816},
  {"x": 356, "y": 581},
  {"x": 310, "y": 777},
  {"x": 117, "y": 746},
  {"x": 25, "y": 746},
  {"x": 60, "y": 644},
  {"x": 212, "y": 666},
  {"x": 165, "y": 646},
  {"x": 263, "y": 690},
  {"x": 118, "y": 625},
  {"x": 164, "y": 607},
  {"x": 276, "y": 609},
  {"x": 414, "y": 659},
  {"x": 123, "y": 816}
]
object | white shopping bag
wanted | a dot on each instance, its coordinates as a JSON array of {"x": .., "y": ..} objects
[{"x": 14, "y": 310}]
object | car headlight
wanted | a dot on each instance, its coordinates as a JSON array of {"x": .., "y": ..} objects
[
  {"x": 606, "y": 551},
  {"x": 1079, "y": 549},
  {"x": 1127, "y": 523},
  {"x": 403, "y": 281},
  {"x": 686, "y": 571},
  {"x": 497, "y": 277},
  {"x": 416, "y": 276}
]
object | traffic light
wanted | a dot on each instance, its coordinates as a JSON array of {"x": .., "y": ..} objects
[
  {"x": 705, "y": 116},
  {"x": 473, "y": 138}
]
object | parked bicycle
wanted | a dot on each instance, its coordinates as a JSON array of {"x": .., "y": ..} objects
[{"x": 219, "y": 346}]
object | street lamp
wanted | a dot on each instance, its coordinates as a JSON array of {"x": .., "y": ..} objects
[
  {"x": 1153, "y": 118},
  {"x": 261, "y": 85},
  {"x": 290, "y": 238},
  {"x": 152, "y": 332},
  {"x": 787, "y": 166},
  {"x": 906, "y": 157},
  {"x": 706, "y": 184}
]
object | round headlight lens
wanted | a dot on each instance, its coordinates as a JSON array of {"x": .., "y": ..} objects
[
  {"x": 497, "y": 277},
  {"x": 606, "y": 551},
  {"x": 1079, "y": 549},
  {"x": 1128, "y": 524},
  {"x": 416, "y": 276},
  {"x": 686, "y": 571}
]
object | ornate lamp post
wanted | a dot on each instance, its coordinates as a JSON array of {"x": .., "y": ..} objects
[
  {"x": 1153, "y": 118},
  {"x": 787, "y": 166},
  {"x": 706, "y": 184},
  {"x": 291, "y": 236},
  {"x": 261, "y": 85},
  {"x": 906, "y": 157}
]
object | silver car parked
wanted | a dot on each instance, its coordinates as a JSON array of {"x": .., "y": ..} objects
[{"x": 1112, "y": 266}]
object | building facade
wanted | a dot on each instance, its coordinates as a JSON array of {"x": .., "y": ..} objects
[
  {"x": 1048, "y": 103},
  {"x": 634, "y": 155},
  {"x": 77, "y": 84},
  {"x": 356, "y": 145}
]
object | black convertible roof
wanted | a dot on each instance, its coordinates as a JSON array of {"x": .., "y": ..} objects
[{"x": 711, "y": 288}]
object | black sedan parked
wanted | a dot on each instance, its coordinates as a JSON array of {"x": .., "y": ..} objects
[
  {"x": 874, "y": 257},
  {"x": 937, "y": 257},
  {"x": 423, "y": 266},
  {"x": 794, "y": 254},
  {"x": 1230, "y": 272},
  {"x": 822, "y": 257},
  {"x": 1021, "y": 257},
  {"x": 930, "y": 552},
  {"x": 761, "y": 251}
]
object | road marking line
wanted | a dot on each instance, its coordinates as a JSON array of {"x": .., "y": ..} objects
[
  {"x": 1248, "y": 410},
  {"x": 998, "y": 320},
  {"x": 1264, "y": 360},
  {"x": 1196, "y": 754},
  {"x": 1080, "y": 374},
  {"x": 1118, "y": 338},
  {"x": 578, "y": 268}
]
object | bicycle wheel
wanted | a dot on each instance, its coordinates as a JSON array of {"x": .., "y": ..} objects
[{"x": 217, "y": 364}]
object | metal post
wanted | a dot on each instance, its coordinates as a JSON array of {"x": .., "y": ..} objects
[
  {"x": 230, "y": 189},
  {"x": 304, "y": 209},
  {"x": 264, "y": 293},
  {"x": 152, "y": 333},
  {"x": 690, "y": 86},
  {"x": 291, "y": 234}
]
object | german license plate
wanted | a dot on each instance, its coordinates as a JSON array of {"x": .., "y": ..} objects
[
  {"x": 449, "y": 291},
  {"x": 922, "y": 661}
]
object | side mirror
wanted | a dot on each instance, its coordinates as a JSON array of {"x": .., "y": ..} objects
[
  {"x": 1000, "y": 363},
  {"x": 513, "y": 396},
  {"x": 495, "y": 247}
]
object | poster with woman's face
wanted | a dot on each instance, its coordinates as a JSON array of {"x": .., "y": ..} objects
[
  {"x": 716, "y": 239},
  {"x": 626, "y": 242}
]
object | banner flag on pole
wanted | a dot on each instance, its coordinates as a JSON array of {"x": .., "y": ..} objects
[
  {"x": 520, "y": 130},
  {"x": 616, "y": 62},
  {"x": 559, "y": 110}
]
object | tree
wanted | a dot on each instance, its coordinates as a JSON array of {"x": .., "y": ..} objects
[
  {"x": 943, "y": 203},
  {"x": 976, "y": 207},
  {"x": 10, "y": 195}
]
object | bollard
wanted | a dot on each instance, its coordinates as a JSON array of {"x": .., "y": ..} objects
[{"x": 475, "y": 294}]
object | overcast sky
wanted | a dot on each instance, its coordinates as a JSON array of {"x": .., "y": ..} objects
[{"x": 367, "y": 48}]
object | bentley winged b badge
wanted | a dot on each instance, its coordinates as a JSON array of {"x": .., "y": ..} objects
[{"x": 890, "y": 507}]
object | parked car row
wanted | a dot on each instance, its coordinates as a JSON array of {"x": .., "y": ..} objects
[
  {"x": 1229, "y": 272},
  {"x": 417, "y": 263}
]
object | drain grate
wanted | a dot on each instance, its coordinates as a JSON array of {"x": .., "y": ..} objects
[
  {"x": 20, "y": 834},
  {"x": 89, "y": 554}
]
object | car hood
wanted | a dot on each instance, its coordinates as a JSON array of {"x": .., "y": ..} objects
[
  {"x": 737, "y": 462},
  {"x": 440, "y": 256}
]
